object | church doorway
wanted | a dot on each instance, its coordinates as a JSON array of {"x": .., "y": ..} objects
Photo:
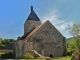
[{"x": 51, "y": 55}]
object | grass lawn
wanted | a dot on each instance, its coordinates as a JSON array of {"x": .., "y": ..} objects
[
  {"x": 63, "y": 58},
  {"x": 33, "y": 59}
]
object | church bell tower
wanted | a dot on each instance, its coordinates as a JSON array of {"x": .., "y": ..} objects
[{"x": 31, "y": 22}]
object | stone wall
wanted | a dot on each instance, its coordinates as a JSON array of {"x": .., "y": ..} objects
[
  {"x": 48, "y": 38},
  {"x": 30, "y": 24},
  {"x": 20, "y": 48},
  {"x": 47, "y": 41}
]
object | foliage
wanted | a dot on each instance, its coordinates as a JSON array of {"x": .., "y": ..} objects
[
  {"x": 1, "y": 40},
  {"x": 34, "y": 59},
  {"x": 5, "y": 42},
  {"x": 29, "y": 56},
  {"x": 70, "y": 45},
  {"x": 8, "y": 41},
  {"x": 75, "y": 31},
  {"x": 63, "y": 58},
  {"x": 72, "y": 57},
  {"x": 78, "y": 42},
  {"x": 5, "y": 51},
  {"x": 7, "y": 56},
  {"x": 75, "y": 54},
  {"x": 1, "y": 53}
]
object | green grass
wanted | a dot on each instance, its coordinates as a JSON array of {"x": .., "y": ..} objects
[
  {"x": 33, "y": 59},
  {"x": 63, "y": 58}
]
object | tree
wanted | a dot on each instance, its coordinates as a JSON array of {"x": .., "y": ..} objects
[
  {"x": 71, "y": 44},
  {"x": 11, "y": 40},
  {"x": 6, "y": 42},
  {"x": 1, "y": 41},
  {"x": 75, "y": 31}
]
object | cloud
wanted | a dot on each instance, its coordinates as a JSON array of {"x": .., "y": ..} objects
[
  {"x": 64, "y": 26},
  {"x": 54, "y": 17}
]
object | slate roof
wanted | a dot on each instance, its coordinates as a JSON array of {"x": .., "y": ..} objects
[{"x": 33, "y": 15}]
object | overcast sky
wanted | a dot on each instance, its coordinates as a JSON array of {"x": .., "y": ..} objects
[{"x": 13, "y": 14}]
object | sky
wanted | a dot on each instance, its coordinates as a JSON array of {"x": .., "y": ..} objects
[{"x": 61, "y": 13}]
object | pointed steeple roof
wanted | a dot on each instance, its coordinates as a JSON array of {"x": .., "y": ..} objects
[{"x": 33, "y": 15}]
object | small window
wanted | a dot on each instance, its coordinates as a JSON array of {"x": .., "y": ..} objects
[{"x": 50, "y": 27}]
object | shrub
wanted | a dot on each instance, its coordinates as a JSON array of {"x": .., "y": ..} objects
[
  {"x": 7, "y": 56},
  {"x": 73, "y": 56},
  {"x": 29, "y": 56},
  {"x": 69, "y": 53}
]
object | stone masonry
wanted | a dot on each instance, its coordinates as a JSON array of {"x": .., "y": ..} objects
[{"x": 43, "y": 38}]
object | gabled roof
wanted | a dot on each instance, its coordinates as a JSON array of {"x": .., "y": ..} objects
[
  {"x": 33, "y": 15},
  {"x": 38, "y": 27},
  {"x": 35, "y": 30},
  {"x": 25, "y": 35}
]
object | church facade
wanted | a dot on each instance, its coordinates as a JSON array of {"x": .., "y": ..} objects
[{"x": 41, "y": 37}]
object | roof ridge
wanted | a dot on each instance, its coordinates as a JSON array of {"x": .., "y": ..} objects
[{"x": 35, "y": 30}]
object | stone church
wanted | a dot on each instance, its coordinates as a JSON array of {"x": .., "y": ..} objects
[{"x": 41, "y": 37}]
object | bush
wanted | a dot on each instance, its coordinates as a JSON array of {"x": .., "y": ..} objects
[
  {"x": 69, "y": 53},
  {"x": 29, "y": 56},
  {"x": 7, "y": 56},
  {"x": 73, "y": 56}
]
